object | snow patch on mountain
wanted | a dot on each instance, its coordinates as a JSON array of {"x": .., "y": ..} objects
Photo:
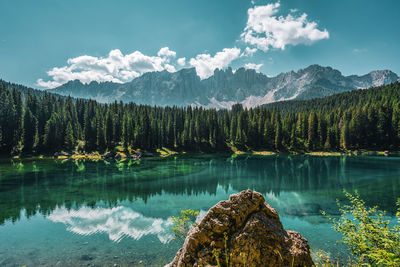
[{"x": 214, "y": 103}]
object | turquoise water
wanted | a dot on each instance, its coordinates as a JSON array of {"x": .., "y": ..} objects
[{"x": 67, "y": 213}]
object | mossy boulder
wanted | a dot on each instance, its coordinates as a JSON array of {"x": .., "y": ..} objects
[{"x": 246, "y": 229}]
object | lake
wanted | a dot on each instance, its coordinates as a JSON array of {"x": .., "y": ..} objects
[{"x": 84, "y": 213}]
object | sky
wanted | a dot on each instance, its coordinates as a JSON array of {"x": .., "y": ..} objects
[{"x": 45, "y": 43}]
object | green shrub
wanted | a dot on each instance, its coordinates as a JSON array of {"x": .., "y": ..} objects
[
  {"x": 371, "y": 238},
  {"x": 181, "y": 224}
]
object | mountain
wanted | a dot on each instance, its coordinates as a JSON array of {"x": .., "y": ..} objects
[{"x": 226, "y": 87}]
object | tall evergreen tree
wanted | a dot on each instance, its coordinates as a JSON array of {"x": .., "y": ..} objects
[{"x": 30, "y": 132}]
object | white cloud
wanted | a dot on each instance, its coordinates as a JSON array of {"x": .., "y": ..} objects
[
  {"x": 253, "y": 66},
  {"x": 169, "y": 68},
  {"x": 166, "y": 52},
  {"x": 47, "y": 84},
  {"x": 205, "y": 64},
  {"x": 116, "y": 67},
  {"x": 266, "y": 30},
  {"x": 181, "y": 61},
  {"x": 249, "y": 51}
]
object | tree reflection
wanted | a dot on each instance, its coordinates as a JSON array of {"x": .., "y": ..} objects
[{"x": 43, "y": 185}]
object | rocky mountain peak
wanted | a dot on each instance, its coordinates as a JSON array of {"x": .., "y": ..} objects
[
  {"x": 226, "y": 87},
  {"x": 380, "y": 77},
  {"x": 188, "y": 71},
  {"x": 73, "y": 83},
  {"x": 320, "y": 71}
]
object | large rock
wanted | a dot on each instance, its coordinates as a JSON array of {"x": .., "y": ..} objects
[{"x": 254, "y": 234}]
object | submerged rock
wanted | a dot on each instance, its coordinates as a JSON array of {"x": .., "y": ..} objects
[
  {"x": 253, "y": 233},
  {"x": 86, "y": 257}
]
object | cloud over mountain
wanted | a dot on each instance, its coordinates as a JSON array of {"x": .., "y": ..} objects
[
  {"x": 116, "y": 67},
  {"x": 205, "y": 64},
  {"x": 120, "y": 68},
  {"x": 253, "y": 66}
]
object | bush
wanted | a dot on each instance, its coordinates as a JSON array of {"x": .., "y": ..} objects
[
  {"x": 182, "y": 224},
  {"x": 371, "y": 238}
]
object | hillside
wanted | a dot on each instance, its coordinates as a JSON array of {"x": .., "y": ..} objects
[
  {"x": 388, "y": 94},
  {"x": 362, "y": 119}
]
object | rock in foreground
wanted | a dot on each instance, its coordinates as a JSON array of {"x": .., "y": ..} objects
[{"x": 255, "y": 236}]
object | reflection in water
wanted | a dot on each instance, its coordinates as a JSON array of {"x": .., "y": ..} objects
[
  {"x": 45, "y": 185},
  {"x": 117, "y": 223},
  {"x": 136, "y": 200}
]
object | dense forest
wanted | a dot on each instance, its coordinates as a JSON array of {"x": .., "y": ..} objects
[
  {"x": 47, "y": 123},
  {"x": 23, "y": 89}
]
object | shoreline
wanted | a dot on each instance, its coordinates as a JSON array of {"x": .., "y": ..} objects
[{"x": 162, "y": 153}]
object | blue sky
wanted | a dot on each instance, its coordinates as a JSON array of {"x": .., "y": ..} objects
[{"x": 119, "y": 40}]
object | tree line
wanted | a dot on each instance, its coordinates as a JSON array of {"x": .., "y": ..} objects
[{"x": 361, "y": 119}]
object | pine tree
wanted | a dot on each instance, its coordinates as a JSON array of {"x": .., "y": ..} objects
[
  {"x": 312, "y": 131},
  {"x": 53, "y": 134},
  {"x": 233, "y": 128},
  {"x": 30, "y": 132},
  {"x": 69, "y": 137},
  {"x": 278, "y": 132},
  {"x": 344, "y": 136},
  {"x": 109, "y": 130},
  {"x": 100, "y": 137}
]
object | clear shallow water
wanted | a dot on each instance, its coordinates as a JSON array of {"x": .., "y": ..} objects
[{"x": 66, "y": 213}]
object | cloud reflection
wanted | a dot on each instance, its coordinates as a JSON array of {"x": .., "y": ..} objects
[{"x": 117, "y": 222}]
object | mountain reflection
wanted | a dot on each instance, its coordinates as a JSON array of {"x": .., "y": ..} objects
[{"x": 44, "y": 185}]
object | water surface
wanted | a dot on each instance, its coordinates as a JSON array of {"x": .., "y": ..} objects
[{"x": 84, "y": 213}]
